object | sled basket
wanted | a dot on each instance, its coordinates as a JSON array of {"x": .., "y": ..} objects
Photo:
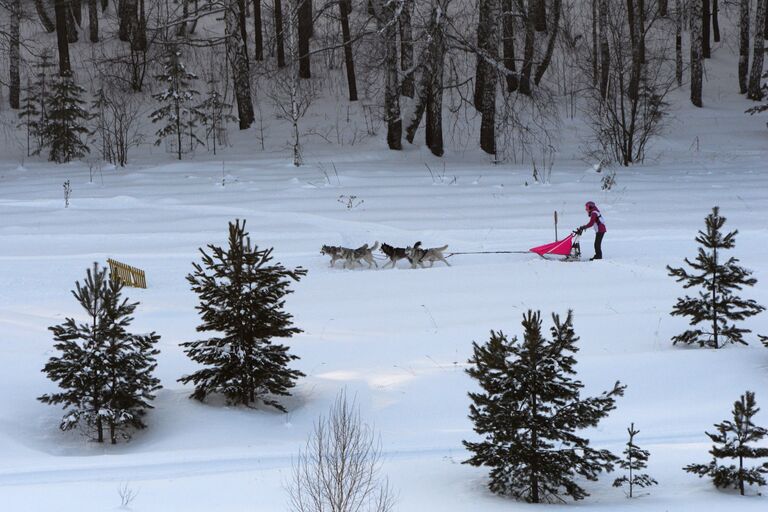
[{"x": 568, "y": 248}]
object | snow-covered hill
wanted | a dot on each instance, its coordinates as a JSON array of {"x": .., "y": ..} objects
[{"x": 397, "y": 339}]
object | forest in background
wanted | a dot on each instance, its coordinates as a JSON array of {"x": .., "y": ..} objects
[{"x": 86, "y": 77}]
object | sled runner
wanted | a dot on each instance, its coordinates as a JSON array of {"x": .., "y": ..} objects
[{"x": 567, "y": 249}]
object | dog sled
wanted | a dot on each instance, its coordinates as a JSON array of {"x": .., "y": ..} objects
[{"x": 567, "y": 249}]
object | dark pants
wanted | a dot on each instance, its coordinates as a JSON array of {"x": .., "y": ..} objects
[{"x": 599, "y": 246}]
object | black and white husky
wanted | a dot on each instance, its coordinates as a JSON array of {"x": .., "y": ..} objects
[
  {"x": 418, "y": 255},
  {"x": 394, "y": 254}
]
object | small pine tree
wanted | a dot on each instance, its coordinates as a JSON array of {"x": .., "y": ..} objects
[
  {"x": 99, "y": 106},
  {"x": 214, "y": 114},
  {"x": 104, "y": 371},
  {"x": 732, "y": 441},
  {"x": 529, "y": 411},
  {"x": 34, "y": 104},
  {"x": 714, "y": 312},
  {"x": 242, "y": 296},
  {"x": 66, "y": 121},
  {"x": 634, "y": 460},
  {"x": 177, "y": 111}
]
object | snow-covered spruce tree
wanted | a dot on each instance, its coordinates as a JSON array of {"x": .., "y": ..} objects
[
  {"x": 634, "y": 460},
  {"x": 177, "y": 110},
  {"x": 529, "y": 412},
  {"x": 242, "y": 295},
  {"x": 734, "y": 440},
  {"x": 66, "y": 121},
  {"x": 716, "y": 309},
  {"x": 105, "y": 373}
]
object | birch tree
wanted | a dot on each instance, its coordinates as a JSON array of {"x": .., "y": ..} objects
[{"x": 386, "y": 17}]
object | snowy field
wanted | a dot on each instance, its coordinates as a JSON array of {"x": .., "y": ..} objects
[{"x": 396, "y": 339}]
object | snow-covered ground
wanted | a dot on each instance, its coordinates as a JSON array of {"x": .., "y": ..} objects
[{"x": 396, "y": 339}]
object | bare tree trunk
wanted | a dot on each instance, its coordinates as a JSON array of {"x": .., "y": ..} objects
[
  {"x": 279, "y": 36},
  {"x": 595, "y": 65},
  {"x": 422, "y": 98},
  {"x": 258, "y": 43},
  {"x": 181, "y": 30},
  {"x": 242, "y": 18},
  {"x": 481, "y": 66},
  {"x": 530, "y": 36},
  {"x": 641, "y": 30},
  {"x": 765, "y": 30},
  {"x": 679, "y": 43},
  {"x": 385, "y": 12},
  {"x": 555, "y": 28},
  {"x": 104, "y": 5},
  {"x": 434, "y": 128},
  {"x": 42, "y": 13},
  {"x": 754, "y": 91},
  {"x": 663, "y": 7},
  {"x": 636, "y": 29},
  {"x": 706, "y": 47},
  {"x": 295, "y": 79},
  {"x": 696, "y": 52},
  {"x": 349, "y": 60},
  {"x": 93, "y": 21},
  {"x": 508, "y": 43},
  {"x": 605, "y": 55},
  {"x": 14, "y": 95},
  {"x": 429, "y": 93},
  {"x": 715, "y": 21},
  {"x": 406, "y": 47},
  {"x": 304, "y": 16},
  {"x": 72, "y": 25},
  {"x": 127, "y": 18},
  {"x": 138, "y": 37},
  {"x": 62, "y": 7},
  {"x": 238, "y": 60},
  {"x": 488, "y": 105},
  {"x": 540, "y": 15},
  {"x": 743, "y": 45},
  {"x": 76, "y": 7}
]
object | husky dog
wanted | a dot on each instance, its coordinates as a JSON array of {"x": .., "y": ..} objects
[
  {"x": 394, "y": 254},
  {"x": 418, "y": 255},
  {"x": 336, "y": 253},
  {"x": 364, "y": 253},
  {"x": 350, "y": 257}
]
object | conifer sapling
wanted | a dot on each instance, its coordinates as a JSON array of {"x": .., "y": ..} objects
[
  {"x": 714, "y": 313},
  {"x": 634, "y": 460},
  {"x": 177, "y": 110},
  {"x": 104, "y": 372},
  {"x": 529, "y": 410},
  {"x": 66, "y": 121},
  {"x": 242, "y": 297},
  {"x": 734, "y": 440}
]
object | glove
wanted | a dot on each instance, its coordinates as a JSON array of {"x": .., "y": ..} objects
[{"x": 579, "y": 230}]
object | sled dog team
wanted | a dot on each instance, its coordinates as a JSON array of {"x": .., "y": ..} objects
[{"x": 416, "y": 255}]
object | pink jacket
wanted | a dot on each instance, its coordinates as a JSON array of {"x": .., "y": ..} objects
[{"x": 596, "y": 220}]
